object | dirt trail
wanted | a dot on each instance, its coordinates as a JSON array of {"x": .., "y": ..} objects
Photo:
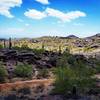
[{"x": 19, "y": 84}]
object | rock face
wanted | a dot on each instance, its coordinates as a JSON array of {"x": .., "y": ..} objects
[
  {"x": 44, "y": 60},
  {"x": 8, "y": 55}
]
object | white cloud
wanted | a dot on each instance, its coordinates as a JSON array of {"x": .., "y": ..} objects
[
  {"x": 6, "y": 5},
  {"x": 34, "y": 14},
  {"x": 45, "y": 2},
  {"x": 65, "y": 17}
]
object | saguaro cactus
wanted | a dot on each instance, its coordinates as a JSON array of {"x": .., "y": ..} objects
[
  {"x": 43, "y": 46},
  {"x": 74, "y": 91},
  {"x": 60, "y": 49},
  {"x": 10, "y": 43},
  {"x": 4, "y": 43}
]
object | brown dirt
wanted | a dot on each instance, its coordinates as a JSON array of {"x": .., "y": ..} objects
[{"x": 6, "y": 87}]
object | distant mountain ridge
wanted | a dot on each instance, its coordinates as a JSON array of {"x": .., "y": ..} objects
[{"x": 70, "y": 37}]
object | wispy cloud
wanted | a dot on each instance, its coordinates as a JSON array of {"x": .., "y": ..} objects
[
  {"x": 64, "y": 17},
  {"x": 34, "y": 14},
  {"x": 45, "y": 2},
  {"x": 6, "y": 5}
]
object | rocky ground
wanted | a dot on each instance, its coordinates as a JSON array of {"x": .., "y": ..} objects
[
  {"x": 11, "y": 58},
  {"x": 35, "y": 89}
]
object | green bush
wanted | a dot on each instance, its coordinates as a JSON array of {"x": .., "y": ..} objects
[
  {"x": 3, "y": 74},
  {"x": 71, "y": 60},
  {"x": 1, "y": 46},
  {"x": 98, "y": 66},
  {"x": 38, "y": 51},
  {"x": 68, "y": 77},
  {"x": 25, "y": 47},
  {"x": 16, "y": 48},
  {"x": 97, "y": 69},
  {"x": 63, "y": 60},
  {"x": 24, "y": 70}
]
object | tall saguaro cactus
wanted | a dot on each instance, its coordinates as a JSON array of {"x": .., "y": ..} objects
[
  {"x": 43, "y": 46},
  {"x": 10, "y": 43},
  {"x": 60, "y": 49},
  {"x": 4, "y": 43}
]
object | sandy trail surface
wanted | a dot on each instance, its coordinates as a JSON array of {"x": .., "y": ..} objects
[{"x": 29, "y": 83}]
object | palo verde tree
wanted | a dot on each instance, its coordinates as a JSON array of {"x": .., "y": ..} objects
[
  {"x": 3, "y": 73},
  {"x": 73, "y": 76}
]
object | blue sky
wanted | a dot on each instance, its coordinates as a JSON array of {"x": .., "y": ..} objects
[{"x": 35, "y": 18}]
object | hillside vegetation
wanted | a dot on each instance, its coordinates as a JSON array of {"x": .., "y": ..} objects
[{"x": 71, "y": 62}]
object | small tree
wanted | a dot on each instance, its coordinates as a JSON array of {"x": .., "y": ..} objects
[
  {"x": 87, "y": 49},
  {"x": 23, "y": 70},
  {"x": 67, "y": 78},
  {"x": 3, "y": 74},
  {"x": 43, "y": 46},
  {"x": 38, "y": 51},
  {"x": 24, "y": 46},
  {"x": 63, "y": 60},
  {"x": 1, "y": 46}
]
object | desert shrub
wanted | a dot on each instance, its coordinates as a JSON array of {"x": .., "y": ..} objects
[
  {"x": 63, "y": 60},
  {"x": 97, "y": 69},
  {"x": 38, "y": 51},
  {"x": 25, "y": 47},
  {"x": 67, "y": 50},
  {"x": 87, "y": 49},
  {"x": 16, "y": 48},
  {"x": 71, "y": 60},
  {"x": 3, "y": 73},
  {"x": 1, "y": 46},
  {"x": 23, "y": 70},
  {"x": 97, "y": 66},
  {"x": 68, "y": 77}
]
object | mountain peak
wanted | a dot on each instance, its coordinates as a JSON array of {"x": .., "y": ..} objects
[{"x": 72, "y": 37}]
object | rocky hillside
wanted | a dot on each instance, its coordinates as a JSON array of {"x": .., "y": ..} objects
[{"x": 74, "y": 43}]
